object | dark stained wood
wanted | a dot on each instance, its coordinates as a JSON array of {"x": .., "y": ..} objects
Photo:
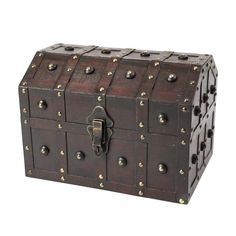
[{"x": 162, "y": 105}]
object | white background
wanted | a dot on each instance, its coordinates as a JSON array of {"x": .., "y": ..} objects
[{"x": 36, "y": 207}]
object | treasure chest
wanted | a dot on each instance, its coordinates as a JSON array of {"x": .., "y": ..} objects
[{"x": 125, "y": 120}]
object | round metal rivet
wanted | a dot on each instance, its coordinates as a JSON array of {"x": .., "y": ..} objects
[
  {"x": 33, "y": 66},
  {"x": 162, "y": 118},
  {"x": 150, "y": 77},
  {"x": 99, "y": 98},
  {"x": 75, "y": 57},
  {"x": 197, "y": 111},
  {"x": 69, "y": 48},
  {"x": 203, "y": 146},
  {"x": 69, "y": 69},
  {"x": 24, "y": 83},
  {"x": 181, "y": 172},
  {"x": 194, "y": 159},
  {"x": 106, "y": 51},
  {"x": 140, "y": 164},
  {"x": 141, "y": 124},
  {"x": 59, "y": 86},
  {"x": 141, "y": 184},
  {"x": 44, "y": 150},
  {"x": 42, "y": 105},
  {"x": 80, "y": 155},
  {"x": 62, "y": 153},
  {"x": 157, "y": 63},
  {"x": 23, "y": 90},
  {"x": 145, "y": 54},
  {"x": 141, "y": 103},
  {"x": 172, "y": 78},
  {"x": 59, "y": 94},
  {"x": 183, "y": 142},
  {"x": 27, "y": 148},
  {"x": 183, "y": 57},
  {"x": 109, "y": 73},
  {"x": 62, "y": 170},
  {"x": 186, "y": 100},
  {"x": 101, "y": 185},
  {"x": 62, "y": 178},
  {"x": 122, "y": 161},
  {"x": 142, "y": 137},
  {"x": 143, "y": 94},
  {"x": 25, "y": 122},
  {"x": 89, "y": 70},
  {"x": 192, "y": 82},
  {"x": 162, "y": 168},
  {"x": 212, "y": 89},
  {"x": 52, "y": 67},
  {"x": 114, "y": 60},
  {"x": 130, "y": 74},
  {"x": 40, "y": 54},
  {"x": 59, "y": 113},
  {"x": 101, "y": 89},
  {"x": 24, "y": 110},
  {"x": 195, "y": 68},
  {"x": 184, "y": 109},
  {"x": 30, "y": 172},
  {"x": 183, "y": 130},
  {"x": 100, "y": 176},
  {"x": 181, "y": 201},
  {"x": 59, "y": 126},
  {"x": 205, "y": 97},
  {"x": 210, "y": 133},
  {"x": 140, "y": 193}
]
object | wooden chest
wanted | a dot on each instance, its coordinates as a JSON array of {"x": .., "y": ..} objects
[{"x": 131, "y": 121}]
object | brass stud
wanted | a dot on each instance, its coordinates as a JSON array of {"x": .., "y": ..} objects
[
  {"x": 100, "y": 176},
  {"x": 141, "y": 184},
  {"x": 52, "y": 67},
  {"x": 59, "y": 113},
  {"x": 25, "y": 122},
  {"x": 89, "y": 70},
  {"x": 142, "y": 137},
  {"x": 24, "y": 110},
  {"x": 195, "y": 68},
  {"x": 162, "y": 168},
  {"x": 40, "y": 54},
  {"x": 59, "y": 126},
  {"x": 27, "y": 148},
  {"x": 114, "y": 60},
  {"x": 183, "y": 130},
  {"x": 150, "y": 77},
  {"x": 23, "y": 90},
  {"x": 101, "y": 185},
  {"x": 62, "y": 153},
  {"x": 192, "y": 82},
  {"x": 59, "y": 94},
  {"x": 141, "y": 124},
  {"x": 101, "y": 89},
  {"x": 184, "y": 109},
  {"x": 42, "y": 105},
  {"x": 24, "y": 83},
  {"x": 69, "y": 69},
  {"x": 140, "y": 193},
  {"x": 75, "y": 57},
  {"x": 181, "y": 201},
  {"x": 162, "y": 118},
  {"x": 183, "y": 142},
  {"x": 30, "y": 172},
  {"x": 80, "y": 155},
  {"x": 141, "y": 103},
  {"x": 181, "y": 172},
  {"x": 59, "y": 86},
  {"x": 109, "y": 73},
  {"x": 140, "y": 164},
  {"x": 62, "y": 170},
  {"x": 143, "y": 94},
  {"x": 186, "y": 100},
  {"x": 130, "y": 74},
  {"x": 63, "y": 178},
  {"x": 33, "y": 66},
  {"x": 157, "y": 63},
  {"x": 99, "y": 98}
]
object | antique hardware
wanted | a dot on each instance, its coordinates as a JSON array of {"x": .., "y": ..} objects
[
  {"x": 205, "y": 97},
  {"x": 194, "y": 159},
  {"x": 89, "y": 70},
  {"x": 172, "y": 78},
  {"x": 122, "y": 161},
  {"x": 106, "y": 51},
  {"x": 69, "y": 48},
  {"x": 162, "y": 118},
  {"x": 80, "y": 155},
  {"x": 52, "y": 67},
  {"x": 197, "y": 110},
  {"x": 44, "y": 150},
  {"x": 130, "y": 74},
  {"x": 183, "y": 57},
  {"x": 99, "y": 129},
  {"x": 42, "y": 105},
  {"x": 212, "y": 89},
  {"x": 203, "y": 146},
  {"x": 210, "y": 133},
  {"x": 145, "y": 54},
  {"x": 162, "y": 168}
]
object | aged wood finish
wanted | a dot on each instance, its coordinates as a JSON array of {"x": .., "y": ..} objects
[{"x": 125, "y": 120}]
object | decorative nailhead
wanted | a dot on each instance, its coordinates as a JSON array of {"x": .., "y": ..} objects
[
  {"x": 140, "y": 164},
  {"x": 140, "y": 193},
  {"x": 150, "y": 77},
  {"x": 101, "y": 185},
  {"x": 141, "y": 124},
  {"x": 141, "y": 103},
  {"x": 142, "y": 137}
]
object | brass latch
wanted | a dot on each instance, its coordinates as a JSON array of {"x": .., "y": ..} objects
[{"x": 99, "y": 129}]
